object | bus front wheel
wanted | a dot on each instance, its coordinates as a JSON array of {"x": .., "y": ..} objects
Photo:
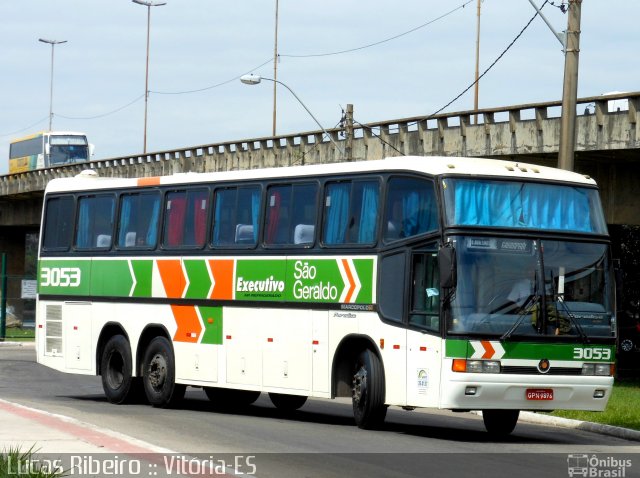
[
  {"x": 500, "y": 422},
  {"x": 116, "y": 371},
  {"x": 158, "y": 374},
  {"x": 368, "y": 392}
]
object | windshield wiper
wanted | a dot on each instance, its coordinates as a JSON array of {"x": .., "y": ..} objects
[
  {"x": 573, "y": 320},
  {"x": 529, "y": 304}
]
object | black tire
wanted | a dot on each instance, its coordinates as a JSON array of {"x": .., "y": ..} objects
[
  {"x": 116, "y": 372},
  {"x": 500, "y": 422},
  {"x": 287, "y": 403},
  {"x": 159, "y": 373},
  {"x": 368, "y": 391},
  {"x": 230, "y": 398}
]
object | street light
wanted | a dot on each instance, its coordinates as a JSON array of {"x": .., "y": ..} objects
[
  {"x": 53, "y": 43},
  {"x": 256, "y": 79},
  {"x": 146, "y": 76}
]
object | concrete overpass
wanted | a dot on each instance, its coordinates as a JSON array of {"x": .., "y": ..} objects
[{"x": 607, "y": 146}]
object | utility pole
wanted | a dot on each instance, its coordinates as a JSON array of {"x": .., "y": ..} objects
[
  {"x": 476, "y": 90},
  {"x": 348, "y": 130},
  {"x": 275, "y": 70},
  {"x": 570, "y": 88}
]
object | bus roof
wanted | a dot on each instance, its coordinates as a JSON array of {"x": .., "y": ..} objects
[
  {"x": 50, "y": 133},
  {"x": 432, "y": 165}
]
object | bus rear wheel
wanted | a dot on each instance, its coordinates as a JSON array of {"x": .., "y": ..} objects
[
  {"x": 116, "y": 372},
  {"x": 287, "y": 403},
  {"x": 158, "y": 374},
  {"x": 368, "y": 391},
  {"x": 500, "y": 422}
]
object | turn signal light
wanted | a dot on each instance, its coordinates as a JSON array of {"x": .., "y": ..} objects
[{"x": 476, "y": 366}]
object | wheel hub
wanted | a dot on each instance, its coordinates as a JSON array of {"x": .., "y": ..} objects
[
  {"x": 359, "y": 385},
  {"x": 157, "y": 371}
]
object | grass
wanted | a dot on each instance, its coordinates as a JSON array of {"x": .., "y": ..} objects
[
  {"x": 18, "y": 334},
  {"x": 14, "y": 462},
  {"x": 622, "y": 409}
]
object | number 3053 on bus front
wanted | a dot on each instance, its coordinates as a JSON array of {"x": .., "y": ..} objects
[
  {"x": 60, "y": 277},
  {"x": 594, "y": 353}
]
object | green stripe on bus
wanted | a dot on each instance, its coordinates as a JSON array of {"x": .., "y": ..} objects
[
  {"x": 212, "y": 319},
  {"x": 364, "y": 268},
  {"x": 111, "y": 278},
  {"x": 199, "y": 279},
  {"x": 293, "y": 279},
  {"x": 143, "y": 275},
  {"x": 462, "y": 348}
]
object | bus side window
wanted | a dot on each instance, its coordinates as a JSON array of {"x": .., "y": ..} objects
[
  {"x": 291, "y": 214},
  {"x": 236, "y": 216},
  {"x": 391, "y": 286},
  {"x": 351, "y": 212},
  {"x": 185, "y": 223},
  {"x": 411, "y": 208},
  {"x": 138, "y": 222},
  {"x": 58, "y": 227},
  {"x": 425, "y": 294},
  {"x": 95, "y": 222}
]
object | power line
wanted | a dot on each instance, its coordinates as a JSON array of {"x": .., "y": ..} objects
[
  {"x": 160, "y": 93},
  {"x": 378, "y": 136},
  {"x": 340, "y": 52},
  {"x": 235, "y": 78},
  {"x": 492, "y": 64},
  {"x": 104, "y": 114},
  {"x": 25, "y": 128},
  {"x": 466, "y": 89}
]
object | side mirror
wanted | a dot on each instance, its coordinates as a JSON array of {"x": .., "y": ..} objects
[
  {"x": 448, "y": 267},
  {"x": 92, "y": 150},
  {"x": 47, "y": 149}
]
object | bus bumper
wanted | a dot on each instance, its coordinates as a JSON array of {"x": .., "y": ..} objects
[{"x": 475, "y": 391}]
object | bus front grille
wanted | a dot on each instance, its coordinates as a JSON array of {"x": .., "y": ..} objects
[{"x": 524, "y": 370}]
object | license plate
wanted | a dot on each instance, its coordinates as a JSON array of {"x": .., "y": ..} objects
[{"x": 539, "y": 394}]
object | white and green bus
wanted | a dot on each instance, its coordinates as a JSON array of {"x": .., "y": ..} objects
[
  {"x": 48, "y": 149},
  {"x": 452, "y": 283}
]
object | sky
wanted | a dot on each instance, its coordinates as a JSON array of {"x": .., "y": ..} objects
[{"x": 200, "y": 48}]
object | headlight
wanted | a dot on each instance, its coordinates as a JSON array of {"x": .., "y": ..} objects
[
  {"x": 589, "y": 369},
  {"x": 600, "y": 369}
]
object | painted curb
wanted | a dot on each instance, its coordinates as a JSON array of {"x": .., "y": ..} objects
[
  {"x": 619, "y": 432},
  {"x": 31, "y": 344}
]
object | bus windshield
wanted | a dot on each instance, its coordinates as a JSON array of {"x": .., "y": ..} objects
[
  {"x": 522, "y": 205},
  {"x": 514, "y": 287},
  {"x": 65, "y": 149}
]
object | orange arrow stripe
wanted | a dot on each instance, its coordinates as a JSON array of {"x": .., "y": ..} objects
[
  {"x": 189, "y": 327},
  {"x": 172, "y": 277},
  {"x": 222, "y": 271},
  {"x": 352, "y": 283},
  {"x": 489, "y": 351}
]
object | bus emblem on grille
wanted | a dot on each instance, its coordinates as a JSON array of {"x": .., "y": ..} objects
[{"x": 544, "y": 366}]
